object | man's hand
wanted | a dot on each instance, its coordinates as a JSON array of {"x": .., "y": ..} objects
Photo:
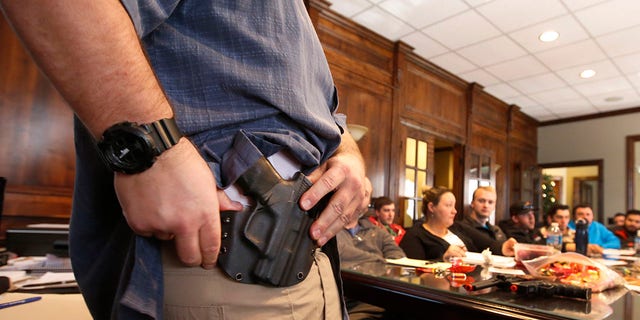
[
  {"x": 594, "y": 249},
  {"x": 508, "y": 247},
  {"x": 343, "y": 173},
  {"x": 454, "y": 251},
  {"x": 177, "y": 199}
]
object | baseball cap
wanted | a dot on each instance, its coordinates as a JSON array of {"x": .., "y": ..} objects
[{"x": 521, "y": 207}]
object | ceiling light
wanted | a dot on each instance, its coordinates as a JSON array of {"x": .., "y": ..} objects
[
  {"x": 548, "y": 36},
  {"x": 613, "y": 99},
  {"x": 586, "y": 74}
]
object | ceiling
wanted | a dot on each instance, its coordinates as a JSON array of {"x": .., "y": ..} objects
[{"x": 495, "y": 43}]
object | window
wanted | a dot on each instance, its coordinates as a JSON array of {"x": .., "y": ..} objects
[
  {"x": 479, "y": 172},
  {"x": 415, "y": 176}
]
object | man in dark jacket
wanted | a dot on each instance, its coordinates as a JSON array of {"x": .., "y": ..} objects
[
  {"x": 521, "y": 223},
  {"x": 476, "y": 226},
  {"x": 627, "y": 233}
]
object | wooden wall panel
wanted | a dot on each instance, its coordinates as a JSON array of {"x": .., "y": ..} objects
[
  {"x": 362, "y": 67},
  {"x": 488, "y": 120},
  {"x": 36, "y": 140},
  {"x": 522, "y": 150},
  {"x": 523, "y": 129},
  {"x": 432, "y": 100}
]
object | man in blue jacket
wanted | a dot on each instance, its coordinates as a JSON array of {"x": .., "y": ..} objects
[{"x": 599, "y": 236}]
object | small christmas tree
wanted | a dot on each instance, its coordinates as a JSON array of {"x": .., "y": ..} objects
[{"x": 548, "y": 192}]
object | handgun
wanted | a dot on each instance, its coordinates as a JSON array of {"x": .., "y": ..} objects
[
  {"x": 500, "y": 281},
  {"x": 551, "y": 289}
]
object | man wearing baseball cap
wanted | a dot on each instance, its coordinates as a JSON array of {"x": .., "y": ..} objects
[{"x": 521, "y": 223}]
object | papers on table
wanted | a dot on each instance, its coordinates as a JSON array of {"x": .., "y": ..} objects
[
  {"x": 610, "y": 263},
  {"x": 513, "y": 272},
  {"x": 471, "y": 258},
  {"x": 41, "y": 264},
  {"x": 49, "y": 280},
  {"x": 48, "y": 226},
  {"x": 21, "y": 280},
  {"x": 408, "y": 262},
  {"x": 497, "y": 261},
  {"x": 632, "y": 287},
  {"x": 15, "y": 276},
  {"x": 618, "y": 252}
]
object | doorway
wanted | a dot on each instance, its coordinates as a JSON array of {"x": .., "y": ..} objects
[
  {"x": 578, "y": 183},
  {"x": 429, "y": 160}
]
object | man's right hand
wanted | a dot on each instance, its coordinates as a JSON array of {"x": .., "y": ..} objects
[{"x": 177, "y": 198}]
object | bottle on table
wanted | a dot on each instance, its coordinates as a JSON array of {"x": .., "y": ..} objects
[
  {"x": 636, "y": 242},
  {"x": 554, "y": 236},
  {"x": 582, "y": 236}
]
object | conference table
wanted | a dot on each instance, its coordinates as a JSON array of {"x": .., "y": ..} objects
[{"x": 412, "y": 294}]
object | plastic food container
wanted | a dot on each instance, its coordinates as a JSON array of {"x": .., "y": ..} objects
[{"x": 524, "y": 251}]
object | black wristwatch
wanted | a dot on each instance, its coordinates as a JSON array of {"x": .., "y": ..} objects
[{"x": 133, "y": 148}]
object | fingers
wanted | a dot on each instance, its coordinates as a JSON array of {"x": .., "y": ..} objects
[
  {"x": 209, "y": 244},
  {"x": 457, "y": 251},
  {"x": 327, "y": 182},
  {"x": 347, "y": 201},
  {"x": 226, "y": 203},
  {"x": 188, "y": 249}
]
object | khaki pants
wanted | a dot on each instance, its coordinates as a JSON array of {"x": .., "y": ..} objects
[{"x": 195, "y": 293}]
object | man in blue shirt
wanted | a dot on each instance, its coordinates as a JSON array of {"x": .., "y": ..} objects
[
  {"x": 222, "y": 84},
  {"x": 599, "y": 236}
]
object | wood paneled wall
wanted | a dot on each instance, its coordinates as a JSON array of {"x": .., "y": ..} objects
[
  {"x": 381, "y": 84},
  {"x": 36, "y": 140},
  {"x": 424, "y": 97},
  {"x": 362, "y": 66}
]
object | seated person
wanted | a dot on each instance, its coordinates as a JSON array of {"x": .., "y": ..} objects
[
  {"x": 361, "y": 242},
  {"x": 618, "y": 220},
  {"x": 476, "y": 226},
  {"x": 358, "y": 243},
  {"x": 561, "y": 214},
  {"x": 628, "y": 231},
  {"x": 599, "y": 236},
  {"x": 432, "y": 240},
  {"x": 385, "y": 212},
  {"x": 521, "y": 224}
]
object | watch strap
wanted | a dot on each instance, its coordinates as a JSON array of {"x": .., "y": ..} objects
[{"x": 165, "y": 132}]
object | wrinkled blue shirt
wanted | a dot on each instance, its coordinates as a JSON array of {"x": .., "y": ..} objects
[{"x": 245, "y": 78}]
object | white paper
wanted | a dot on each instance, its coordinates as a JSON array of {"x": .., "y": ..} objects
[
  {"x": 497, "y": 261},
  {"x": 410, "y": 262},
  {"x": 515, "y": 272},
  {"x": 50, "y": 280},
  {"x": 610, "y": 263},
  {"x": 15, "y": 276},
  {"x": 49, "y": 226},
  {"x": 618, "y": 252},
  {"x": 632, "y": 287}
]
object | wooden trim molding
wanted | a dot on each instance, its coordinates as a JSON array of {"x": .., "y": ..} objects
[{"x": 590, "y": 116}]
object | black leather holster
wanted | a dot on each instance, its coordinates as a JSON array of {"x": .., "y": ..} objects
[{"x": 269, "y": 242}]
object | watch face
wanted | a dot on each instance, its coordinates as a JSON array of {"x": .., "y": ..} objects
[{"x": 127, "y": 148}]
